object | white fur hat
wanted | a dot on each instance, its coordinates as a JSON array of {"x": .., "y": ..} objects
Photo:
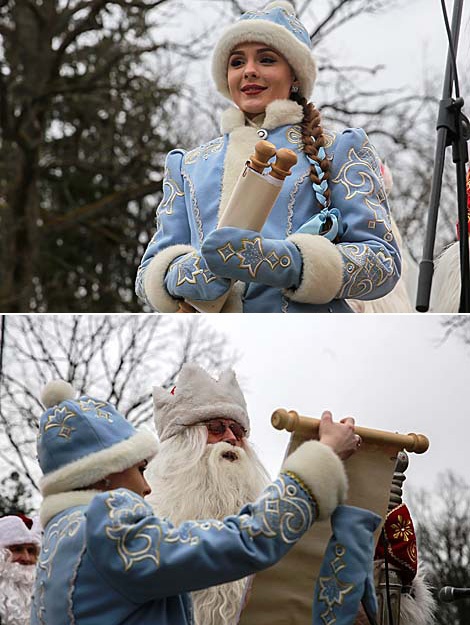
[
  {"x": 14, "y": 531},
  {"x": 198, "y": 397},
  {"x": 276, "y": 26},
  {"x": 83, "y": 440}
]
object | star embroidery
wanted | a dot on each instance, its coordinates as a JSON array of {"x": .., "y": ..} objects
[
  {"x": 188, "y": 270},
  {"x": 251, "y": 255},
  {"x": 328, "y": 617},
  {"x": 226, "y": 251},
  {"x": 93, "y": 405},
  {"x": 273, "y": 259},
  {"x": 332, "y": 591},
  {"x": 208, "y": 276},
  {"x": 58, "y": 419}
]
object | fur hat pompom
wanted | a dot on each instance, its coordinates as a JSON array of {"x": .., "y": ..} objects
[
  {"x": 280, "y": 4},
  {"x": 55, "y": 392}
]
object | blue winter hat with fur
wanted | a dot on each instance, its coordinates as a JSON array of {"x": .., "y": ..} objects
[
  {"x": 83, "y": 440},
  {"x": 278, "y": 27}
]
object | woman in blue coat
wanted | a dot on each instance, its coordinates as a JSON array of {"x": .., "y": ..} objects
[
  {"x": 328, "y": 237},
  {"x": 106, "y": 558}
]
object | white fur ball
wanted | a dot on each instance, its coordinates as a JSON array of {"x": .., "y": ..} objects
[
  {"x": 281, "y": 4},
  {"x": 56, "y": 391}
]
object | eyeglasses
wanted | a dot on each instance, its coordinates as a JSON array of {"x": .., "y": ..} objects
[{"x": 218, "y": 428}]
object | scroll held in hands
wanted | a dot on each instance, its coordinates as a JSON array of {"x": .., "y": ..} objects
[
  {"x": 256, "y": 192},
  {"x": 282, "y": 595},
  {"x": 253, "y": 197}
]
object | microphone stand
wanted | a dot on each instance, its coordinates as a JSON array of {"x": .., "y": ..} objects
[{"x": 453, "y": 128}]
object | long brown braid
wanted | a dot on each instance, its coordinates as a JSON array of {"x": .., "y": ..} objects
[{"x": 313, "y": 139}]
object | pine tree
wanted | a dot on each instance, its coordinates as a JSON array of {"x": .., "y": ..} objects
[{"x": 85, "y": 111}]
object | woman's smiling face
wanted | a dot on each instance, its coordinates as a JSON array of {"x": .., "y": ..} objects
[{"x": 256, "y": 76}]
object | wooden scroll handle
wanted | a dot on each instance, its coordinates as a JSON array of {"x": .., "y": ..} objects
[
  {"x": 307, "y": 426},
  {"x": 264, "y": 150},
  {"x": 285, "y": 160}
]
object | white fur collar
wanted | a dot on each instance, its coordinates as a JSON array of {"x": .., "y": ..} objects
[
  {"x": 54, "y": 504},
  {"x": 278, "y": 113}
]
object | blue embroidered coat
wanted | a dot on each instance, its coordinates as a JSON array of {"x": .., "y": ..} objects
[
  {"x": 112, "y": 562},
  {"x": 364, "y": 264}
]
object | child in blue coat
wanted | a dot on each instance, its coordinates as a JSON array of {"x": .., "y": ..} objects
[{"x": 107, "y": 559}]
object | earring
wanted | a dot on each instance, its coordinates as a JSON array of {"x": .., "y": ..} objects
[{"x": 295, "y": 89}]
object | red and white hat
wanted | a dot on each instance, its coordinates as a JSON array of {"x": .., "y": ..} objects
[{"x": 19, "y": 530}]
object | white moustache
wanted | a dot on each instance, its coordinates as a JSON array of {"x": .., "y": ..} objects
[{"x": 226, "y": 452}]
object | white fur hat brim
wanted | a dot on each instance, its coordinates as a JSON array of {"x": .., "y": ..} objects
[
  {"x": 297, "y": 54},
  {"x": 13, "y": 531},
  {"x": 198, "y": 397},
  {"x": 86, "y": 471}
]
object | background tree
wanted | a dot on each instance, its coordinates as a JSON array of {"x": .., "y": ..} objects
[
  {"x": 117, "y": 358},
  {"x": 458, "y": 326},
  {"x": 94, "y": 93},
  {"x": 16, "y": 496},
  {"x": 442, "y": 521},
  {"x": 86, "y": 94}
]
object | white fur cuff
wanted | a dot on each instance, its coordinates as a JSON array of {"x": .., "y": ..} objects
[
  {"x": 322, "y": 276},
  {"x": 323, "y": 472},
  {"x": 154, "y": 278}
]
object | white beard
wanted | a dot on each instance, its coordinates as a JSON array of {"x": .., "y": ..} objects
[
  {"x": 16, "y": 588},
  {"x": 220, "y": 479}
]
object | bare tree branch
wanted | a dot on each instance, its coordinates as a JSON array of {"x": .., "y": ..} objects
[{"x": 115, "y": 357}]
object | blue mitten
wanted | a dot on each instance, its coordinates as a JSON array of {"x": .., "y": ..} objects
[
  {"x": 247, "y": 256},
  {"x": 346, "y": 575},
  {"x": 188, "y": 277}
]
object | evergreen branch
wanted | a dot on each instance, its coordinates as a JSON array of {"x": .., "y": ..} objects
[{"x": 103, "y": 205}]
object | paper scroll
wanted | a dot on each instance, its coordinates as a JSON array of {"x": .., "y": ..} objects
[
  {"x": 283, "y": 594},
  {"x": 252, "y": 198}
]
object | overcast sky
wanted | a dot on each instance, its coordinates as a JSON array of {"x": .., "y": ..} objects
[
  {"x": 409, "y": 40},
  {"x": 389, "y": 372}
]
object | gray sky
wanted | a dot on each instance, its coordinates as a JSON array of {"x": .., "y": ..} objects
[
  {"x": 390, "y": 372},
  {"x": 409, "y": 40}
]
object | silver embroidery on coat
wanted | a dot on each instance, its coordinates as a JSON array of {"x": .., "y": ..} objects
[
  {"x": 330, "y": 138},
  {"x": 294, "y": 136},
  {"x": 360, "y": 176},
  {"x": 196, "y": 211},
  {"x": 363, "y": 269},
  {"x": 204, "y": 151},
  {"x": 290, "y": 214},
  {"x": 332, "y": 591},
  {"x": 283, "y": 509},
  {"x": 171, "y": 191}
]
